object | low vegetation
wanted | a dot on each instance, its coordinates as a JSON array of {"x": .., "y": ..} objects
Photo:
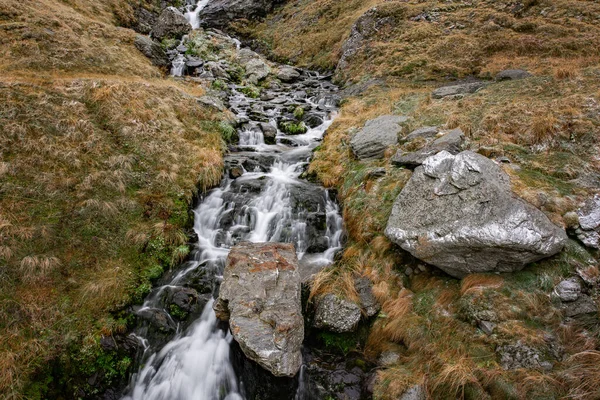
[{"x": 100, "y": 161}]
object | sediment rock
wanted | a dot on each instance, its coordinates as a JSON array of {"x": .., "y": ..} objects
[
  {"x": 336, "y": 315},
  {"x": 457, "y": 212},
  {"x": 589, "y": 223},
  {"x": 288, "y": 74},
  {"x": 512, "y": 74},
  {"x": 457, "y": 90},
  {"x": 170, "y": 24},
  {"x": 152, "y": 50},
  {"x": 260, "y": 297},
  {"x": 376, "y": 136},
  {"x": 451, "y": 142},
  {"x": 218, "y": 13}
]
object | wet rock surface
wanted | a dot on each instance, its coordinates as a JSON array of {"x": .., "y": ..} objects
[
  {"x": 218, "y": 13},
  {"x": 457, "y": 212},
  {"x": 171, "y": 24},
  {"x": 260, "y": 297},
  {"x": 335, "y": 314}
]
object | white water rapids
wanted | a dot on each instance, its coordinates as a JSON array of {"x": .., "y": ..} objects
[{"x": 260, "y": 205}]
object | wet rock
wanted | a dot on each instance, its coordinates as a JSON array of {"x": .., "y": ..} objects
[
  {"x": 583, "y": 305},
  {"x": 519, "y": 355},
  {"x": 457, "y": 212},
  {"x": 512, "y": 74},
  {"x": 425, "y": 132},
  {"x": 568, "y": 290},
  {"x": 376, "y": 136},
  {"x": 416, "y": 392},
  {"x": 171, "y": 24},
  {"x": 260, "y": 297},
  {"x": 218, "y": 13},
  {"x": 269, "y": 132},
  {"x": 376, "y": 173},
  {"x": 336, "y": 315},
  {"x": 451, "y": 142},
  {"x": 152, "y": 50},
  {"x": 159, "y": 319},
  {"x": 457, "y": 90},
  {"x": 288, "y": 74},
  {"x": 589, "y": 223},
  {"x": 368, "y": 302},
  {"x": 312, "y": 119},
  {"x": 256, "y": 70}
]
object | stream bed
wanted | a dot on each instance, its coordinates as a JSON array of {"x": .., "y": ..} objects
[{"x": 188, "y": 354}]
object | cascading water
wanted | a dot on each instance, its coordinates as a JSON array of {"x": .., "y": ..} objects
[
  {"x": 193, "y": 11},
  {"x": 265, "y": 201}
]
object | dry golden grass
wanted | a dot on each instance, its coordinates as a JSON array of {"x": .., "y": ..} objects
[
  {"x": 100, "y": 158},
  {"x": 476, "y": 282}
]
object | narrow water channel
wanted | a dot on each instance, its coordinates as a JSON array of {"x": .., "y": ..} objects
[{"x": 262, "y": 198}]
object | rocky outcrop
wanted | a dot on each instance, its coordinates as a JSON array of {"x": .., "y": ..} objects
[
  {"x": 218, "y": 13},
  {"x": 260, "y": 297},
  {"x": 589, "y": 223},
  {"x": 451, "y": 142},
  {"x": 376, "y": 136},
  {"x": 364, "y": 30},
  {"x": 459, "y": 214},
  {"x": 170, "y": 24},
  {"x": 457, "y": 90},
  {"x": 425, "y": 132},
  {"x": 335, "y": 314},
  {"x": 512, "y": 74},
  {"x": 519, "y": 355},
  {"x": 288, "y": 74},
  {"x": 152, "y": 50}
]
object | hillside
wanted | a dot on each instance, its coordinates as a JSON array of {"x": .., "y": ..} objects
[
  {"x": 391, "y": 56},
  {"x": 100, "y": 160}
]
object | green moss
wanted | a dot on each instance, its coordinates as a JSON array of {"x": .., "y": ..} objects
[
  {"x": 293, "y": 128},
  {"x": 338, "y": 342},
  {"x": 250, "y": 91},
  {"x": 298, "y": 112},
  {"x": 177, "y": 312},
  {"x": 218, "y": 84}
]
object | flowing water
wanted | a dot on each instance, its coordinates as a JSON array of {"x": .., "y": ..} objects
[{"x": 262, "y": 198}]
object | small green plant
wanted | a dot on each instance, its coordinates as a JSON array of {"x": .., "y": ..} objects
[
  {"x": 169, "y": 44},
  {"x": 338, "y": 342},
  {"x": 293, "y": 128},
  {"x": 218, "y": 84},
  {"x": 299, "y": 112},
  {"x": 251, "y": 91},
  {"x": 177, "y": 312},
  {"x": 228, "y": 132}
]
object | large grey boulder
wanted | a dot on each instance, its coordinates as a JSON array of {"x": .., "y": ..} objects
[
  {"x": 568, "y": 290},
  {"x": 451, "y": 142},
  {"x": 260, "y": 297},
  {"x": 218, "y": 13},
  {"x": 376, "y": 136},
  {"x": 457, "y": 212},
  {"x": 152, "y": 50},
  {"x": 457, "y": 90},
  {"x": 256, "y": 70},
  {"x": 335, "y": 314},
  {"x": 171, "y": 23},
  {"x": 287, "y": 74},
  {"x": 589, "y": 223}
]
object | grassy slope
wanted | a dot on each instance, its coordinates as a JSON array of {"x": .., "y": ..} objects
[
  {"x": 547, "y": 124},
  {"x": 100, "y": 159}
]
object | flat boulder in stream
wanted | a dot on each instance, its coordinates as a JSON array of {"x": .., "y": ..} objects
[
  {"x": 260, "y": 297},
  {"x": 457, "y": 212}
]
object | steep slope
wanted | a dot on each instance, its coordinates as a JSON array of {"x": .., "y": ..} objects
[
  {"x": 436, "y": 335},
  {"x": 100, "y": 159}
]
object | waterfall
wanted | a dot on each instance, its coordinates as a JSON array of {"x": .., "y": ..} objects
[
  {"x": 192, "y": 16},
  {"x": 266, "y": 202}
]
